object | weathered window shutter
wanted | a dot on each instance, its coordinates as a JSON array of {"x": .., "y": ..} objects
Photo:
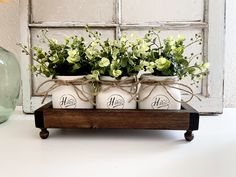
[{"x": 113, "y": 17}]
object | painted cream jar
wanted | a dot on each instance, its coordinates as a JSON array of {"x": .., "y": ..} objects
[
  {"x": 116, "y": 97},
  {"x": 159, "y": 96},
  {"x": 65, "y": 96}
]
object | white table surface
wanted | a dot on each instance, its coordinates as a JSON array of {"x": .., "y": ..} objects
[{"x": 118, "y": 153}]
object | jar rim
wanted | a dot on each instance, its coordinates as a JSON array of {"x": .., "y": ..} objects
[
  {"x": 109, "y": 78},
  {"x": 69, "y": 77},
  {"x": 158, "y": 78}
]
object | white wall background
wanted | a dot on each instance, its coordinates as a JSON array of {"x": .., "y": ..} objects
[
  {"x": 230, "y": 55},
  {"x": 10, "y": 35},
  {"x": 9, "y": 25}
]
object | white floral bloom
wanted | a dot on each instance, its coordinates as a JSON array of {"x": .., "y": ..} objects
[
  {"x": 72, "y": 53},
  {"x": 197, "y": 70},
  {"x": 89, "y": 53},
  {"x": 173, "y": 47},
  {"x": 150, "y": 68},
  {"x": 144, "y": 47},
  {"x": 116, "y": 73},
  {"x": 152, "y": 63},
  {"x": 123, "y": 38},
  {"x": 94, "y": 43},
  {"x": 114, "y": 64},
  {"x": 43, "y": 69},
  {"x": 178, "y": 50},
  {"x": 162, "y": 64},
  {"x": 181, "y": 38},
  {"x": 72, "y": 60},
  {"x": 104, "y": 62},
  {"x": 114, "y": 53},
  {"x": 73, "y": 56},
  {"x": 205, "y": 66},
  {"x": 141, "y": 48},
  {"x": 54, "y": 58},
  {"x": 170, "y": 40},
  {"x": 143, "y": 63}
]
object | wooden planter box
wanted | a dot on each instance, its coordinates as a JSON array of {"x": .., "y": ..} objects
[{"x": 185, "y": 119}]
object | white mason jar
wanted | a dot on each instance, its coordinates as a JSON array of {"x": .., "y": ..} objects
[
  {"x": 111, "y": 97},
  {"x": 151, "y": 97},
  {"x": 65, "y": 97}
]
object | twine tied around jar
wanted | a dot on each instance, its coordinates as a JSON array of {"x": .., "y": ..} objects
[
  {"x": 81, "y": 93},
  {"x": 130, "y": 82},
  {"x": 168, "y": 83}
]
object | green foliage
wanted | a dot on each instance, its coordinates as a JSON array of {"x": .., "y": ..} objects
[
  {"x": 166, "y": 58},
  {"x": 115, "y": 58},
  {"x": 125, "y": 56},
  {"x": 66, "y": 59}
]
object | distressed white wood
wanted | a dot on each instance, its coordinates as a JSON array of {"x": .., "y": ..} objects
[
  {"x": 73, "y": 10},
  {"x": 165, "y": 25},
  {"x": 70, "y": 24},
  {"x": 205, "y": 82},
  {"x": 30, "y": 103},
  {"x": 118, "y": 18},
  {"x": 213, "y": 102},
  {"x": 162, "y": 10},
  {"x": 216, "y": 53},
  {"x": 161, "y": 25},
  {"x": 209, "y": 105},
  {"x": 25, "y": 60}
]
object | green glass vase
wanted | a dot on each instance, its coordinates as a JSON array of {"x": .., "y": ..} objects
[{"x": 9, "y": 83}]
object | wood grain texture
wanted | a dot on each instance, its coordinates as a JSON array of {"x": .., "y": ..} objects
[
  {"x": 184, "y": 119},
  {"x": 115, "y": 119}
]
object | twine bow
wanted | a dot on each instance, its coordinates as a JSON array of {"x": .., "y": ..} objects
[
  {"x": 81, "y": 93},
  {"x": 168, "y": 84},
  {"x": 129, "y": 82}
]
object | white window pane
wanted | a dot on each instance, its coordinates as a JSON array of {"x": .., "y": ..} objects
[
  {"x": 196, "y": 49},
  {"x": 59, "y": 34},
  {"x": 86, "y": 11},
  {"x": 139, "y": 11}
]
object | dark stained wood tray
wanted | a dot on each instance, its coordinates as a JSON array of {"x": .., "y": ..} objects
[{"x": 185, "y": 119}]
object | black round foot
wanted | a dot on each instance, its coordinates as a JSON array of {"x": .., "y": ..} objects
[
  {"x": 189, "y": 135},
  {"x": 44, "y": 133}
]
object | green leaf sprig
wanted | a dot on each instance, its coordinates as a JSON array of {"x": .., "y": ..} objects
[
  {"x": 68, "y": 58},
  {"x": 167, "y": 58},
  {"x": 115, "y": 58}
]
